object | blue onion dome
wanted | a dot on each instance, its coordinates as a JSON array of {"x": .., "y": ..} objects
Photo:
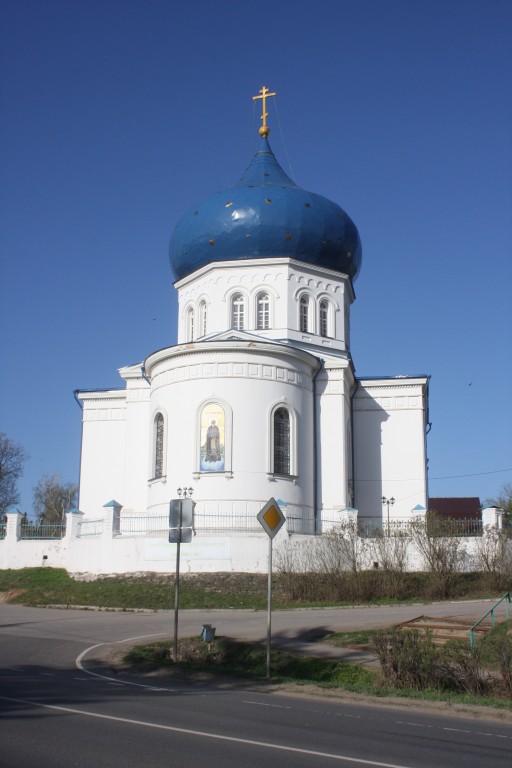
[{"x": 266, "y": 215}]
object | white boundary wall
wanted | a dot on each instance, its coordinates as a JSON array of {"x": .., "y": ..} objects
[{"x": 105, "y": 551}]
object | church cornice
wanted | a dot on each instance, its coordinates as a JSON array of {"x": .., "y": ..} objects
[
  {"x": 320, "y": 273},
  {"x": 253, "y": 347}
]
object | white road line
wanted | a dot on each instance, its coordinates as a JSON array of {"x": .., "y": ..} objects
[
  {"x": 79, "y": 662},
  {"x": 457, "y": 730},
  {"x": 204, "y": 734},
  {"x": 264, "y": 704}
]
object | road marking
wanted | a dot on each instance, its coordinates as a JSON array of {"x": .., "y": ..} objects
[
  {"x": 457, "y": 730},
  {"x": 79, "y": 662},
  {"x": 264, "y": 704},
  {"x": 206, "y": 735}
]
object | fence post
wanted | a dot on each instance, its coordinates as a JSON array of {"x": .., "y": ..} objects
[
  {"x": 73, "y": 518},
  {"x": 492, "y": 517},
  {"x": 112, "y": 518},
  {"x": 13, "y": 528}
]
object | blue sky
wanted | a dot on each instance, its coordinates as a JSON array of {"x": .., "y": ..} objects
[{"x": 119, "y": 115}]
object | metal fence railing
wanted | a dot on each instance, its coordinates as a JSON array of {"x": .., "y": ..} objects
[
  {"x": 42, "y": 530},
  {"x": 372, "y": 527},
  {"x": 141, "y": 525}
]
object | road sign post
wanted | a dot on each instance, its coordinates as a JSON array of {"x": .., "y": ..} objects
[
  {"x": 181, "y": 520},
  {"x": 271, "y": 519}
]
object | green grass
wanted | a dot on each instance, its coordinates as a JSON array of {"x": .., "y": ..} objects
[
  {"x": 245, "y": 661},
  {"x": 249, "y": 661},
  {"x": 53, "y": 586}
]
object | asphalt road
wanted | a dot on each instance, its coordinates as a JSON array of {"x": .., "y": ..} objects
[{"x": 62, "y": 704}]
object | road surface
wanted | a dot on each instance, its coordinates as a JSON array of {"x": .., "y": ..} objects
[{"x": 62, "y": 705}]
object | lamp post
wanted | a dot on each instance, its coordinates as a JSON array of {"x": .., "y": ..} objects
[
  {"x": 389, "y": 503},
  {"x": 184, "y": 492}
]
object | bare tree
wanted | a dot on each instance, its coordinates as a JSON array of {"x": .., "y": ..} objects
[
  {"x": 441, "y": 549},
  {"x": 390, "y": 550},
  {"x": 494, "y": 556},
  {"x": 53, "y": 498},
  {"x": 12, "y": 458},
  {"x": 502, "y": 500}
]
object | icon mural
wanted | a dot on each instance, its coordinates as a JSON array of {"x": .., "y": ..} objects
[{"x": 212, "y": 438}]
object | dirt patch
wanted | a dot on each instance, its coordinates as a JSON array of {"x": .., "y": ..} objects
[{"x": 11, "y": 595}]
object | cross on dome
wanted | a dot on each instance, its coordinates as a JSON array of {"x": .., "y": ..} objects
[{"x": 264, "y": 130}]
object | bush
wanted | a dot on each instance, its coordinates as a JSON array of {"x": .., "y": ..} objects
[{"x": 408, "y": 659}]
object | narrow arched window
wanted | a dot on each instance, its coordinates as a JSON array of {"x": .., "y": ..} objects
[
  {"x": 159, "y": 446},
  {"x": 324, "y": 318},
  {"x": 304, "y": 313},
  {"x": 263, "y": 312},
  {"x": 202, "y": 318},
  {"x": 190, "y": 324},
  {"x": 281, "y": 447},
  {"x": 238, "y": 312}
]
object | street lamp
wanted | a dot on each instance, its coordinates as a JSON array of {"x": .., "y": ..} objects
[
  {"x": 184, "y": 492},
  {"x": 389, "y": 503}
]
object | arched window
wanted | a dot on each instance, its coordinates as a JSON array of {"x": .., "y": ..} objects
[
  {"x": 324, "y": 318},
  {"x": 238, "y": 312},
  {"x": 281, "y": 447},
  {"x": 263, "y": 312},
  {"x": 158, "y": 469},
  {"x": 202, "y": 318},
  {"x": 304, "y": 313},
  {"x": 190, "y": 324}
]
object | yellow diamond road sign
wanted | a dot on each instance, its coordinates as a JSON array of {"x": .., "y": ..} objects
[{"x": 271, "y": 518}]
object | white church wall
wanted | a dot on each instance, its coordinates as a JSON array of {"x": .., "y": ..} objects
[
  {"x": 247, "y": 385},
  {"x": 284, "y": 280},
  {"x": 389, "y": 446},
  {"x": 102, "y": 461},
  {"x": 137, "y": 463},
  {"x": 333, "y": 410}
]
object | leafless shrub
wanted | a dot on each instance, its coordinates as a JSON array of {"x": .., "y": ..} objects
[
  {"x": 408, "y": 659},
  {"x": 294, "y": 565},
  {"x": 442, "y": 552},
  {"x": 494, "y": 556},
  {"x": 501, "y": 650},
  {"x": 465, "y": 669},
  {"x": 390, "y": 550},
  {"x": 340, "y": 558}
]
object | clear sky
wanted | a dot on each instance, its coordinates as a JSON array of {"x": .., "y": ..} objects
[{"x": 118, "y": 115}]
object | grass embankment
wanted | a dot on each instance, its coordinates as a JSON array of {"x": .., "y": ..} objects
[
  {"x": 248, "y": 661},
  {"x": 230, "y": 659},
  {"x": 53, "y": 586}
]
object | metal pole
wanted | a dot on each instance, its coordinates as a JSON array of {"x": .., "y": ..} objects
[
  {"x": 177, "y": 592},
  {"x": 269, "y": 604}
]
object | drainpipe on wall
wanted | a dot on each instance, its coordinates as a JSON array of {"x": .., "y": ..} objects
[
  {"x": 428, "y": 427},
  {"x": 352, "y": 451},
  {"x": 315, "y": 452}
]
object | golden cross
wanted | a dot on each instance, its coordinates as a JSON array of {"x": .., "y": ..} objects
[{"x": 264, "y": 130}]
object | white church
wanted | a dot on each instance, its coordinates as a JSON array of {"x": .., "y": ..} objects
[{"x": 259, "y": 397}]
